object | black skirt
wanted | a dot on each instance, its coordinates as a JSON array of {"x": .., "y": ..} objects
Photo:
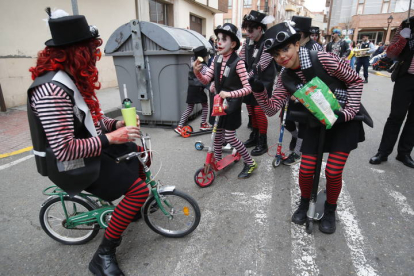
[
  {"x": 232, "y": 121},
  {"x": 343, "y": 137},
  {"x": 115, "y": 178},
  {"x": 196, "y": 94}
]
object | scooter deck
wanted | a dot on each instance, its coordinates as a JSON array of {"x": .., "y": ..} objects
[
  {"x": 320, "y": 205},
  {"x": 227, "y": 160},
  {"x": 195, "y": 133}
]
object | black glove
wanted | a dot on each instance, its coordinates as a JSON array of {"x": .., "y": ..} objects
[
  {"x": 257, "y": 85},
  {"x": 341, "y": 117}
]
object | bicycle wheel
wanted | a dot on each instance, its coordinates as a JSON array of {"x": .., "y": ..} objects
[
  {"x": 203, "y": 179},
  {"x": 53, "y": 220},
  {"x": 184, "y": 211}
]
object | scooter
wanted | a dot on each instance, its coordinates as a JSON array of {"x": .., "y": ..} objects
[
  {"x": 317, "y": 200},
  {"x": 279, "y": 154},
  {"x": 188, "y": 131},
  {"x": 205, "y": 176}
]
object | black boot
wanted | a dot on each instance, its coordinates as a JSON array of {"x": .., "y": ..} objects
[
  {"x": 104, "y": 261},
  {"x": 299, "y": 216},
  {"x": 254, "y": 137},
  {"x": 261, "y": 147},
  {"x": 328, "y": 223},
  {"x": 249, "y": 124}
]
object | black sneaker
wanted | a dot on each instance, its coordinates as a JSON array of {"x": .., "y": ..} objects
[
  {"x": 292, "y": 159},
  {"x": 247, "y": 170},
  {"x": 366, "y": 81}
]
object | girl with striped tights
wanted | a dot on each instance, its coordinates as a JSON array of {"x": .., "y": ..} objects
[
  {"x": 345, "y": 134},
  {"x": 62, "y": 119},
  {"x": 230, "y": 82}
]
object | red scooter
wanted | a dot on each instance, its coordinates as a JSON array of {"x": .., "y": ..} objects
[{"x": 205, "y": 176}]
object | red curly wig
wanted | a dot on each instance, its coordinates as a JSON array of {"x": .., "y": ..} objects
[{"x": 79, "y": 61}]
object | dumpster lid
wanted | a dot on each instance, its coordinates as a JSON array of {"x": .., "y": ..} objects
[{"x": 168, "y": 38}]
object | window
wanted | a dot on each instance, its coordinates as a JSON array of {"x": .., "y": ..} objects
[
  {"x": 385, "y": 6},
  {"x": 247, "y": 3},
  {"x": 158, "y": 12},
  {"x": 230, "y": 4},
  {"x": 360, "y": 8},
  {"x": 227, "y": 20}
]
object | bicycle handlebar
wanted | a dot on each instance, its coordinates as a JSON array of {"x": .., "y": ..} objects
[{"x": 130, "y": 155}]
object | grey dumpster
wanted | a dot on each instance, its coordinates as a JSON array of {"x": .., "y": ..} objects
[{"x": 152, "y": 61}]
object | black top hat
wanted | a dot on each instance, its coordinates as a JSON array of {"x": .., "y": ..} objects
[
  {"x": 280, "y": 35},
  {"x": 303, "y": 24},
  {"x": 314, "y": 30},
  {"x": 200, "y": 51},
  {"x": 70, "y": 29},
  {"x": 254, "y": 16},
  {"x": 230, "y": 30}
]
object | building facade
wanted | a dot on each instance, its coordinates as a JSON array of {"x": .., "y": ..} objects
[
  {"x": 23, "y": 31},
  {"x": 376, "y": 18}
]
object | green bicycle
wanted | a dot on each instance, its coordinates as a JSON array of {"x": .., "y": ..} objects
[{"x": 77, "y": 220}]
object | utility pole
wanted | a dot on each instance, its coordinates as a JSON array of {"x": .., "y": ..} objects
[
  {"x": 75, "y": 7},
  {"x": 329, "y": 19}
]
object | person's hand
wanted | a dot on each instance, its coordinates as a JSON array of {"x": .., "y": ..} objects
[
  {"x": 257, "y": 85},
  {"x": 120, "y": 124},
  {"x": 123, "y": 135},
  {"x": 197, "y": 66},
  {"x": 224, "y": 94},
  {"x": 406, "y": 32},
  {"x": 341, "y": 117}
]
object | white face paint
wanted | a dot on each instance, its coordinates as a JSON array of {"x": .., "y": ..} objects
[{"x": 223, "y": 44}]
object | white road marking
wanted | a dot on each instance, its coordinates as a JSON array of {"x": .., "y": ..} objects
[
  {"x": 401, "y": 201},
  {"x": 303, "y": 244},
  {"x": 377, "y": 170},
  {"x": 258, "y": 203},
  {"x": 15, "y": 162},
  {"x": 353, "y": 234}
]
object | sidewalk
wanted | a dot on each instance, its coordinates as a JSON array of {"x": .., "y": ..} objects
[{"x": 14, "y": 127}]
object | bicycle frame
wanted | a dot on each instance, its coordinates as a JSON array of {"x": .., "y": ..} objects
[{"x": 98, "y": 215}]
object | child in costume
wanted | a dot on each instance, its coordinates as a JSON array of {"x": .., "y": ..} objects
[
  {"x": 231, "y": 82},
  {"x": 70, "y": 133},
  {"x": 261, "y": 63},
  {"x": 195, "y": 93},
  {"x": 300, "y": 66}
]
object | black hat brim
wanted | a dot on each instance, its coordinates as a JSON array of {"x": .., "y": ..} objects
[
  {"x": 51, "y": 43},
  {"x": 232, "y": 35},
  {"x": 278, "y": 45}
]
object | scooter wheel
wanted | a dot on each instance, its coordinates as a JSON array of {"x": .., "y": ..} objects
[
  {"x": 186, "y": 131},
  {"x": 203, "y": 179},
  {"x": 276, "y": 162},
  {"x": 199, "y": 146},
  {"x": 309, "y": 226}
]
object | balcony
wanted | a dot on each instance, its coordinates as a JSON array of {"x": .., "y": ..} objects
[
  {"x": 290, "y": 7},
  {"x": 215, "y": 6},
  {"x": 264, "y": 9}
]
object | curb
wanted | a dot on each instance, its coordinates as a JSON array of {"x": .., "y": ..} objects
[{"x": 379, "y": 74}]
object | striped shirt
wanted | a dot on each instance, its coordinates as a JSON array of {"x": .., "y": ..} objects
[
  {"x": 56, "y": 112},
  {"x": 208, "y": 76},
  {"x": 264, "y": 61},
  {"x": 335, "y": 67},
  {"x": 397, "y": 44}
]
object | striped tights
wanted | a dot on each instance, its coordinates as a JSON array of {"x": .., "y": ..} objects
[
  {"x": 230, "y": 137},
  {"x": 333, "y": 172},
  {"x": 125, "y": 211},
  {"x": 190, "y": 108},
  {"x": 259, "y": 119}
]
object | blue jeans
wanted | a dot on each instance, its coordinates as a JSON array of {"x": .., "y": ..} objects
[
  {"x": 363, "y": 61},
  {"x": 352, "y": 62}
]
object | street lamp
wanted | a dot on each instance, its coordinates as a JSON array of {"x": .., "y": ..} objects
[{"x": 389, "y": 21}]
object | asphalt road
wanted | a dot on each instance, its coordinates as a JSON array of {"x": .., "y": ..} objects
[{"x": 245, "y": 227}]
